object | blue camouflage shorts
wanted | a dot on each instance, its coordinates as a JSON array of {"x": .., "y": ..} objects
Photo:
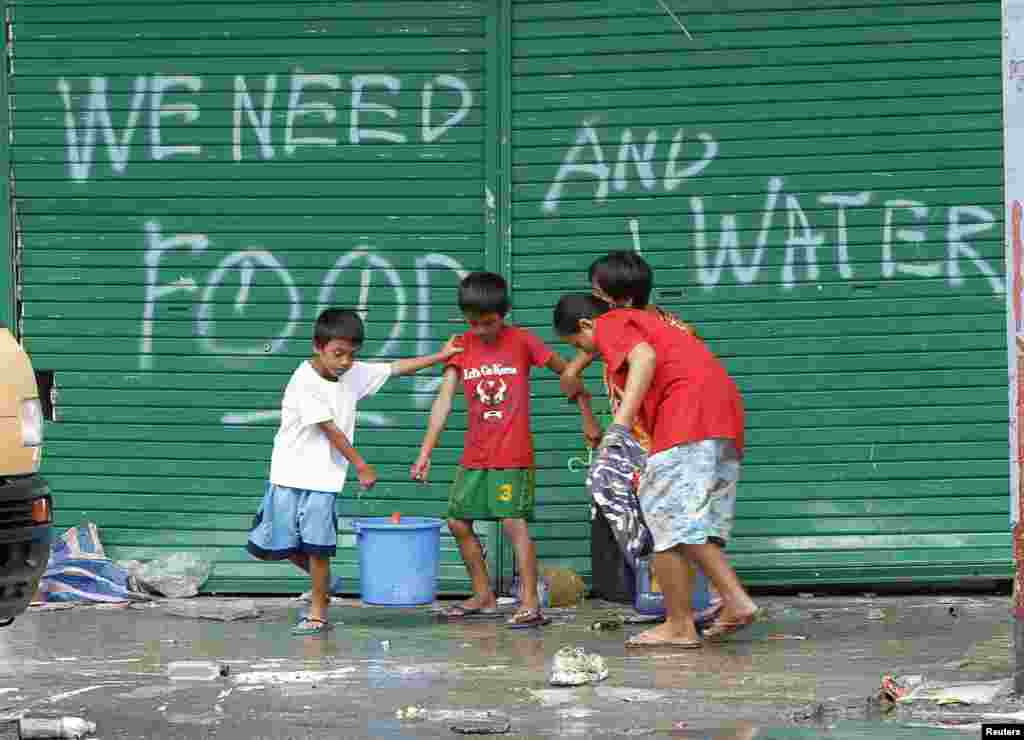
[{"x": 688, "y": 493}]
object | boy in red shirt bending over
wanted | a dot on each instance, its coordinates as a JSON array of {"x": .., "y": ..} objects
[
  {"x": 694, "y": 412},
  {"x": 496, "y": 477}
]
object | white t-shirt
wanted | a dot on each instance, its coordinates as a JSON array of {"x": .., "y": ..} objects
[{"x": 303, "y": 456}]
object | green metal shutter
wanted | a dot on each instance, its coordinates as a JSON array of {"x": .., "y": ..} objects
[
  {"x": 819, "y": 188},
  {"x": 192, "y": 181}
]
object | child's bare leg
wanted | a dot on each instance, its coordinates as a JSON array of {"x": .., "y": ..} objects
[
  {"x": 300, "y": 560},
  {"x": 526, "y": 555},
  {"x": 319, "y": 576},
  {"x": 674, "y": 576},
  {"x": 473, "y": 557},
  {"x": 737, "y": 604}
]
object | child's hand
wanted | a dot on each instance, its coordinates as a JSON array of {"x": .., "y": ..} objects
[
  {"x": 451, "y": 347},
  {"x": 367, "y": 476},
  {"x": 593, "y": 433},
  {"x": 571, "y": 385},
  {"x": 420, "y": 469}
]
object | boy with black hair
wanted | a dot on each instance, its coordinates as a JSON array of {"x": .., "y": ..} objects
[
  {"x": 313, "y": 448},
  {"x": 495, "y": 480},
  {"x": 694, "y": 412}
]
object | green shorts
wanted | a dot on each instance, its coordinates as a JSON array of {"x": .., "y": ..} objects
[{"x": 492, "y": 494}]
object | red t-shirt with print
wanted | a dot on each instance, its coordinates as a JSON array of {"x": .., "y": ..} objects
[
  {"x": 496, "y": 380},
  {"x": 691, "y": 396}
]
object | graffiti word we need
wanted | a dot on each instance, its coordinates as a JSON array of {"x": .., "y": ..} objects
[{"x": 310, "y": 103}]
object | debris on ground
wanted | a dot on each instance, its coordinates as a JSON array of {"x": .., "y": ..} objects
[
  {"x": 411, "y": 713},
  {"x": 552, "y": 697},
  {"x": 615, "y": 693},
  {"x": 895, "y": 688},
  {"x": 565, "y": 587},
  {"x": 217, "y": 610},
  {"x": 574, "y": 666},
  {"x": 608, "y": 624},
  {"x": 179, "y": 575},
  {"x": 197, "y": 670},
  {"x": 80, "y": 571},
  {"x": 876, "y": 614},
  {"x": 909, "y": 689},
  {"x": 786, "y": 637},
  {"x": 957, "y": 664},
  {"x": 490, "y": 723},
  {"x": 62, "y": 727},
  {"x": 638, "y": 618}
]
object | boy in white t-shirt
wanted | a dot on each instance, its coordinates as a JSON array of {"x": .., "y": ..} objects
[{"x": 313, "y": 449}]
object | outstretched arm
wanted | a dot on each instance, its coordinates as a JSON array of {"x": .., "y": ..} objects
[
  {"x": 411, "y": 365},
  {"x": 591, "y": 429},
  {"x": 571, "y": 382},
  {"x": 439, "y": 412},
  {"x": 366, "y": 472}
]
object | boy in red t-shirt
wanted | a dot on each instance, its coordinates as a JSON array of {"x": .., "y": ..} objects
[
  {"x": 495, "y": 480},
  {"x": 693, "y": 410}
]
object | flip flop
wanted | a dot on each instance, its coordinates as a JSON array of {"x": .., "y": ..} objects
[
  {"x": 719, "y": 629},
  {"x": 317, "y": 626},
  {"x": 639, "y": 641},
  {"x": 462, "y": 612},
  {"x": 527, "y": 618}
]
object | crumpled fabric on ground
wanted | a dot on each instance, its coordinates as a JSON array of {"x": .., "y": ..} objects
[{"x": 612, "y": 483}]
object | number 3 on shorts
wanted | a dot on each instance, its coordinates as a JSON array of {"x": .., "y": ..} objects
[{"x": 505, "y": 492}]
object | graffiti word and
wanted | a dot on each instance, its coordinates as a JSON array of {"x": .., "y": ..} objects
[
  {"x": 242, "y": 264},
  {"x": 310, "y": 101},
  {"x": 586, "y": 158}
]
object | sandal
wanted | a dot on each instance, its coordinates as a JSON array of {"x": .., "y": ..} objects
[
  {"x": 526, "y": 618},
  {"x": 313, "y": 626},
  {"x": 644, "y": 640},
  {"x": 467, "y": 612},
  {"x": 722, "y": 628}
]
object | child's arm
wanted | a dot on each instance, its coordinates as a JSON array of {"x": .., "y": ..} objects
[
  {"x": 439, "y": 412},
  {"x": 411, "y": 365},
  {"x": 366, "y": 472},
  {"x": 570, "y": 381},
  {"x": 642, "y": 361},
  {"x": 591, "y": 429}
]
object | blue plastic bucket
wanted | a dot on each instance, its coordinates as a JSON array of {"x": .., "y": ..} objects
[
  {"x": 650, "y": 599},
  {"x": 398, "y": 563}
]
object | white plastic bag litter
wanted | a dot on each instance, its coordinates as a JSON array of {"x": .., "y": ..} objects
[
  {"x": 176, "y": 576},
  {"x": 574, "y": 666}
]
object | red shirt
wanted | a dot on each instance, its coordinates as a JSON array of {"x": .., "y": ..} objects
[
  {"x": 496, "y": 381},
  {"x": 691, "y": 396}
]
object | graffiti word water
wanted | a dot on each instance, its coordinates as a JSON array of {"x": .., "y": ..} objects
[
  {"x": 310, "y": 100},
  {"x": 802, "y": 243}
]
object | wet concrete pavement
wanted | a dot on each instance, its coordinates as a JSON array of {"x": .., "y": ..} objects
[{"x": 812, "y": 665}]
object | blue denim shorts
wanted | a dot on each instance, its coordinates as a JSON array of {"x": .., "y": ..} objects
[
  {"x": 294, "y": 521},
  {"x": 688, "y": 493}
]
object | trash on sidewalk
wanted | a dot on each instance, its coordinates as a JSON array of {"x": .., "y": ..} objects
[
  {"x": 786, "y": 637},
  {"x": 909, "y": 689},
  {"x": 66, "y": 727},
  {"x": 619, "y": 693},
  {"x": 196, "y": 670},
  {"x": 608, "y": 624},
  {"x": 896, "y": 688},
  {"x": 565, "y": 587},
  {"x": 217, "y": 610},
  {"x": 80, "y": 571},
  {"x": 876, "y": 614},
  {"x": 411, "y": 713},
  {"x": 487, "y": 723},
  {"x": 574, "y": 666},
  {"x": 176, "y": 576}
]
